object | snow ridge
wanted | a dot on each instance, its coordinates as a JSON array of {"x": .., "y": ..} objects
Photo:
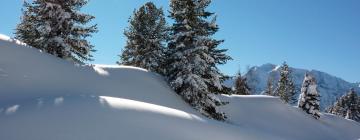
[{"x": 56, "y": 99}]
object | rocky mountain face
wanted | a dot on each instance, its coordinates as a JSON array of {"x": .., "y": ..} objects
[{"x": 330, "y": 87}]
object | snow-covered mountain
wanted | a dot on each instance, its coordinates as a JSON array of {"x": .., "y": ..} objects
[
  {"x": 44, "y": 98},
  {"x": 330, "y": 87}
]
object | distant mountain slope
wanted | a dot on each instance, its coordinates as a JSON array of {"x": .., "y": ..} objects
[{"x": 330, "y": 87}]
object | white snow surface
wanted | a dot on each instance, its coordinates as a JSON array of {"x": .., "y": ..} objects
[
  {"x": 4, "y": 37},
  {"x": 43, "y": 98},
  {"x": 7, "y": 38}
]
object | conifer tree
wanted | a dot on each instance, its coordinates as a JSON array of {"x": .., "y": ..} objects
[
  {"x": 146, "y": 36},
  {"x": 57, "y": 27},
  {"x": 241, "y": 86},
  {"x": 193, "y": 56},
  {"x": 309, "y": 98},
  {"x": 347, "y": 106},
  {"x": 269, "y": 85},
  {"x": 286, "y": 88}
]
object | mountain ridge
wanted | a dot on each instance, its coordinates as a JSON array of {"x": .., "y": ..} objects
[{"x": 330, "y": 87}]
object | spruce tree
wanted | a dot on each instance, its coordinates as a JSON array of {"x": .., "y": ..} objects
[
  {"x": 286, "y": 88},
  {"x": 58, "y": 28},
  {"x": 269, "y": 86},
  {"x": 241, "y": 86},
  {"x": 193, "y": 56},
  {"x": 309, "y": 98},
  {"x": 347, "y": 106},
  {"x": 146, "y": 36}
]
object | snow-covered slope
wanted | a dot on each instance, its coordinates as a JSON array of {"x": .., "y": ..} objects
[
  {"x": 268, "y": 114},
  {"x": 330, "y": 87},
  {"x": 43, "y": 97}
]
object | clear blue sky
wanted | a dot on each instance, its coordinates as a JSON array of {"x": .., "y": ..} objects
[{"x": 310, "y": 34}]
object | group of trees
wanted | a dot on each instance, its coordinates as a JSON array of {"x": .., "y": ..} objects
[
  {"x": 285, "y": 90},
  {"x": 184, "y": 52},
  {"x": 347, "y": 106},
  {"x": 285, "y": 86}
]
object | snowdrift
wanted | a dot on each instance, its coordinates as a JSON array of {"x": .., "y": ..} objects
[
  {"x": 43, "y": 97},
  {"x": 269, "y": 114}
]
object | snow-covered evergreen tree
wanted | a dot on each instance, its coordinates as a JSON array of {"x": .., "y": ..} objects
[
  {"x": 146, "y": 36},
  {"x": 347, "y": 106},
  {"x": 286, "y": 88},
  {"x": 309, "y": 98},
  {"x": 193, "y": 56},
  {"x": 241, "y": 86},
  {"x": 270, "y": 86},
  {"x": 57, "y": 27}
]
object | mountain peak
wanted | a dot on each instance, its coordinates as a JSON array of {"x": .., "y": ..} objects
[
  {"x": 267, "y": 66},
  {"x": 264, "y": 67}
]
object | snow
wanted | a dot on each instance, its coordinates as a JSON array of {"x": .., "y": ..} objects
[
  {"x": 58, "y": 101},
  {"x": 7, "y": 38},
  {"x": 12, "y": 109},
  {"x": 277, "y": 68},
  {"x": 118, "y": 66},
  {"x": 101, "y": 70},
  {"x": 43, "y": 97},
  {"x": 126, "y": 104},
  {"x": 4, "y": 37},
  {"x": 267, "y": 114}
]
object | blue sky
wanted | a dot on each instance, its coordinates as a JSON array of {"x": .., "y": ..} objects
[{"x": 310, "y": 34}]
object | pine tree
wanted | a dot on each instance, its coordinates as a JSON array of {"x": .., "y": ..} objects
[
  {"x": 241, "y": 86},
  {"x": 193, "y": 56},
  {"x": 146, "y": 36},
  {"x": 309, "y": 98},
  {"x": 347, "y": 106},
  {"x": 57, "y": 27},
  {"x": 286, "y": 88},
  {"x": 270, "y": 86}
]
